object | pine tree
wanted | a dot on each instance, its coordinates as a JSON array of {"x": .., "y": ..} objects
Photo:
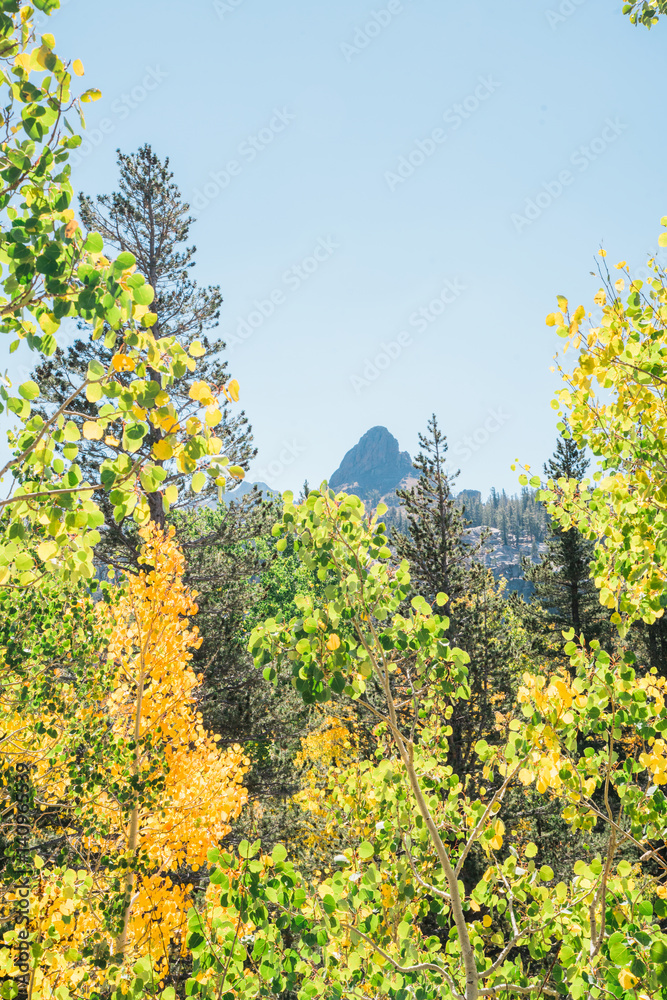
[
  {"x": 443, "y": 559},
  {"x": 563, "y": 587},
  {"x": 148, "y": 217},
  {"x": 436, "y": 547}
]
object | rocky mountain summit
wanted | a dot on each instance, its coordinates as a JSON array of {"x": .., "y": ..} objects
[{"x": 375, "y": 468}]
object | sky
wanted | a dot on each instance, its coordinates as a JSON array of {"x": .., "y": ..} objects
[{"x": 390, "y": 195}]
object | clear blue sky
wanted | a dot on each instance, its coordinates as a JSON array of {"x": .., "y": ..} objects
[{"x": 287, "y": 123}]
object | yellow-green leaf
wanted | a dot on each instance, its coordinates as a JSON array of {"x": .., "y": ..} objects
[
  {"x": 46, "y": 550},
  {"x": 71, "y": 431},
  {"x": 196, "y": 349},
  {"x": 198, "y": 482},
  {"x": 162, "y": 450},
  {"x": 92, "y": 431}
]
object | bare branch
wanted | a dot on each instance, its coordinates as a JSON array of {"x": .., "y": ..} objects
[{"x": 475, "y": 833}]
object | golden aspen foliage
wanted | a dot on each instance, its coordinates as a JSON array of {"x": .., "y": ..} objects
[
  {"x": 154, "y": 706},
  {"x": 140, "y": 829}
]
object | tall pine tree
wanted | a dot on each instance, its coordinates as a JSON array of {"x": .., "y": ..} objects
[
  {"x": 436, "y": 546},
  {"x": 444, "y": 558},
  {"x": 563, "y": 589},
  {"x": 148, "y": 217}
]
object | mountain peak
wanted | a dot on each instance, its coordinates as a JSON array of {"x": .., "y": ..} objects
[{"x": 374, "y": 467}]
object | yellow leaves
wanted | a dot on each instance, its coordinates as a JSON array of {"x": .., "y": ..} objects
[
  {"x": 236, "y": 472},
  {"x": 77, "y": 66},
  {"x": 565, "y": 694},
  {"x": 562, "y": 303},
  {"x": 111, "y": 441},
  {"x": 525, "y": 776},
  {"x": 201, "y": 392},
  {"x": 656, "y": 762},
  {"x": 602, "y": 253},
  {"x": 496, "y": 841},
  {"x": 152, "y": 640},
  {"x": 213, "y": 416},
  {"x": 231, "y": 391},
  {"x": 22, "y": 60},
  {"x": 170, "y": 494},
  {"x": 162, "y": 450},
  {"x": 486, "y": 920},
  {"x": 46, "y": 550},
  {"x": 542, "y": 784},
  {"x": 123, "y": 363},
  {"x": 333, "y": 642},
  {"x": 626, "y": 979},
  {"x": 196, "y": 349},
  {"x": 48, "y": 322},
  {"x": 168, "y": 422},
  {"x": 332, "y": 741},
  {"x": 92, "y": 431}
]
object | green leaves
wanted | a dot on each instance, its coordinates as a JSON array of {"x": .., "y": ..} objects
[
  {"x": 626, "y": 503},
  {"x": 52, "y": 272},
  {"x": 645, "y": 12},
  {"x": 94, "y": 243},
  {"x": 143, "y": 295},
  {"x": 335, "y": 537},
  {"x": 124, "y": 261},
  {"x": 279, "y": 854},
  {"x": 29, "y": 390}
]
